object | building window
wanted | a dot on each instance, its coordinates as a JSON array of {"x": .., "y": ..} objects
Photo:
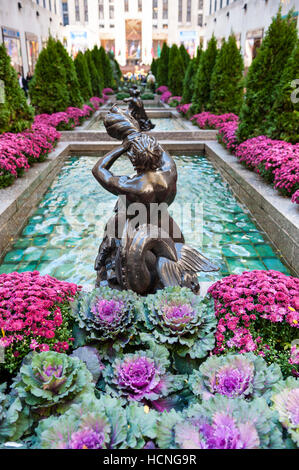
[
  {"x": 55, "y": 7},
  {"x": 101, "y": 9},
  {"x": 126, "y": 5},
  {"x": 189, "y": 7},
  {"x": 65, "y": 13},
  {"x": 210, "y": 7},
  {"x": 199, "y": 20},
  {"x": 50, "y": 5},
  {"x": 139, "y": 5},
  {"x": 37, "y": 2},
  {"x": 221, "y": 1},
  {"x": 165, "y": 9},
  {"x": 215, "y": 7},
  {"x": 86, "y": 11},
  {"x": 200, "y": 4},
  {"x": 44, "y": 3},
  {"x": 32, "y": 51},
  {"x": 155, "y": 9},
  {"x": 111, "y": 12},
  {"x": 12, "y": 42},
  {"x": 180, "y": 16}
]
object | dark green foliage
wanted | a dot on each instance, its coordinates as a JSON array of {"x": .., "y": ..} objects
[
  {"x": 202, "y": 86},
  {"x": 264, "y": 75},
  {"x": 283, "y": 120},
  {"x": 147, "y": 96},
  {"x": 83, "y": 76},
  {"x": 227, "y": 80},
  {"x": 15, "y": 114},
  {"x": 122, "y": 95},
  {"x": 154, "y": 67},
  {"x": 188, "y": 85},
  {"x": 72, "y": 82},
  {"x": 185, "y": 56},
  {"x": 108, "y": 79},
  {"x": 162, "y": 69},
  {"x": 116, "y": 71},
  {"x": 94, "y": 76},
  {"x": 48, "y": 89},
  {"x": 97, "y": 60},
  {"x": 176, "y": 72}
]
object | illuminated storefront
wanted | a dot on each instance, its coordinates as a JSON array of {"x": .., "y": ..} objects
[
  {"x": 32, "y": 51},
  {"x": 12, "y": 41}
]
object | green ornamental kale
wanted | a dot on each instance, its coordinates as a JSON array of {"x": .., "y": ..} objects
[
  {"x": 14, "y": 418},
  {"x": 181, "y": 320},
  {"x": 107, "y": 316},
  {"x": 98, "y": 424},
  {"x": 142, "y": 376},
  {"x": 235, "y": 375},
  {"x": 49, "y": 380},
  {"x": 285, "y": 400},
  {"x": 221, "y": 423}
]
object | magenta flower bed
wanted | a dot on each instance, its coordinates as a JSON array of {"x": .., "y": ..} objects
[
  {"x": 162, "y": 89},
  {"x": 165, "y": 97},
  {"x": 207, "y": 120},
  {"x": 257, "y": 311},
  {"x": 34, "y": 314},
  {"x": 21, "y": 150},
  {"x": 184, "y": 108}
]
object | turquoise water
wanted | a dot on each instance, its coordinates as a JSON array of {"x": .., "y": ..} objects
[
  {"x": 162, "y": 124},
  {"x": 63, "y": 235}
]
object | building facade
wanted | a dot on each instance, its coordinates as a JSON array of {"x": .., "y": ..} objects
[
  {"x": 25, "y": 28},
  {"x": 248, "y": 20},
  {"x": 134, "y": 30}
]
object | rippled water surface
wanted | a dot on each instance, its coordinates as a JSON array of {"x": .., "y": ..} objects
[{"x": 63, "y": 235}]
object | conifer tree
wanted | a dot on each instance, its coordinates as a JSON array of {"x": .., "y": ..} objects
[
  {"x": 227, "y": 79},
  {"x": 283, "y": 120},
  {"x": 185, "y": 56},
  {"x": 48, "y": 88},
  {"x": 202, "y": 85},
  {"x": 83, "y": 76},
  {"x": 176, "y": 71},
  {"x": 94, "y": 77},
  {"x": 264, "y": 75},
  {"x": 97, "y": 60},
  {"x": 72, "y": 82},
  {"x": 106, "y": 69},
  {"x": 15, "y": 114},
  {"x": 162, "y": 69}
]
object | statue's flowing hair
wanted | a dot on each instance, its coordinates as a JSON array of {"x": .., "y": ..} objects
[
  {"x": 145, "y": 153},
  {"x": 120, "y": 124}
]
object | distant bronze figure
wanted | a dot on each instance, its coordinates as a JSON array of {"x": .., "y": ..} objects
[
  {"x": 136, "y": 108},
  {"x": 146, "y": 252}
]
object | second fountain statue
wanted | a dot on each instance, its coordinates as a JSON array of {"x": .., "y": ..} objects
[{"x": 143, "y": 249}]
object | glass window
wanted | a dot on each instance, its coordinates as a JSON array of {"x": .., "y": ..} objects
[
  {"x": 44, "y": 3},
  {"x": 101, "y": 9},
  {"x": 200, "y": 4},
  {"x": 32, "y": 51},
  {"x": 11, "y": 40},
  {"x": 199, "y": 20},
  {"x": 189, "y": 7},
  {"x": 155, "y": 9},
  {"x": 221, "y": 2},
  {"x": 111, "y": 12},
  {"x": 37, "y": 2},
  {"x": 215, "y": 6},
  {"x": 139, "y": 5},
  {"x": 165, "y": 9},
  {"x": 180, "y": 12},
  {"x": 126, "y": 5},
  {"x": 50, "y": 5},
  {"x": 210, "y": 7},
  {"x": 77, "y": 10},
  {"x": 86, "y": 10},
  {"x": 65, "y": 13}
]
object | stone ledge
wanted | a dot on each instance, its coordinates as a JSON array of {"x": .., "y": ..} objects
[
  {"x": 275, "y": 214},
  {"x": 102, "y": 136}
]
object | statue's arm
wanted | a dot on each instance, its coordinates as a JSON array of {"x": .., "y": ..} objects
[{"x": 101, "y": 169}]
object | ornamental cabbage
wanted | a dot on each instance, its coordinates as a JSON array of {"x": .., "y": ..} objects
[
  {"x": 181, "y": 320},
  {"x": 14, "y": 418},
  {"x": 235, "y": 375},
  {"x": 221, "y": 423},
  {"x": 286, "y": 402},
  {"x": 142, "y": 376},
  {"x": 50, "y": 379},
  {"x": 98, "y": 424},
  {"x": 107, "y": 316}
]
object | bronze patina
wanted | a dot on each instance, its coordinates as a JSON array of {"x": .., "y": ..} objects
[
  {"x": 146, "y": 252},
  {"x": 136, "y": 108}
]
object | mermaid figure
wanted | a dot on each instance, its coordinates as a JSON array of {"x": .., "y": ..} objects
[
  {"x": 136, "y": 108},
  {"x": 147, "y": 252}
]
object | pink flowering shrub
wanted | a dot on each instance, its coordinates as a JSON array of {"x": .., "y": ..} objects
[
  {"x": 108, "y": 91},
  {"x": 166, "y": 96},
  {"x": 184, "y": 108},
  {"x": 162, "y": 89},
  {"x": 257, "y": 311},
  {"x": 227, "y": 135},
  {"x": 207, "y": 120},
  {"x": 295, "y": 197},
  {"x": 34, "y": 315},
  {"x": 96, "y": 102}
]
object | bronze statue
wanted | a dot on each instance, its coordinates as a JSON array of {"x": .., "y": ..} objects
[
  {"x": 136, "y": 108},
  {"x": 146, "y": 252}
]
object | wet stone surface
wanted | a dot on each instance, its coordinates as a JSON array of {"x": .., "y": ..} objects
[{"x": 63, "y": 235}]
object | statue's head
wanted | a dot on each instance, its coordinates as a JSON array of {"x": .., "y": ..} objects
[
  {"x": 145, "y": 153},
  {"x": 120, "y": 124}
]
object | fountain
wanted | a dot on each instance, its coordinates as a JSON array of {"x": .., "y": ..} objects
[{"x": 146, "y": 252}]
